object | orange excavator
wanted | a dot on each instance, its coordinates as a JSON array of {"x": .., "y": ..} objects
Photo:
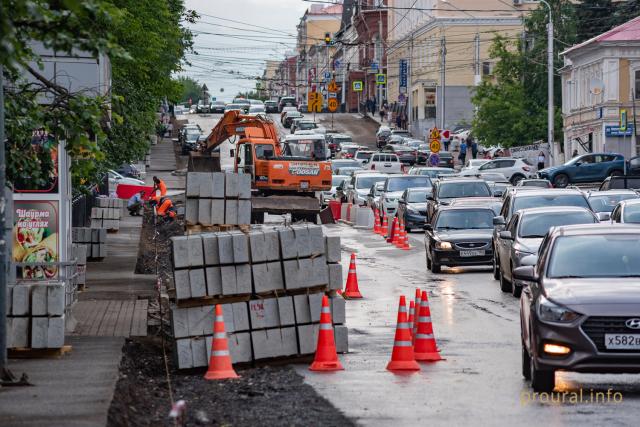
[{"x": 285, "y": 176}]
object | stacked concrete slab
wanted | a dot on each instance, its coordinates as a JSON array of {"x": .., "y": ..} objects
[
  {"x": 79, "y": 253},
  {"x": 107, "y": 213},
  {"x": 35, "y": 315},
  {"x": 95, "y": 239},
  {"x": 270, "y": 282},
  {"x": 218, "y": 198}
]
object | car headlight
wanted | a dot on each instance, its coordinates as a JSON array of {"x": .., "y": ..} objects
[
  {"x": 446, "y": 246},
  {"x": 522, "y": 254},
  {"x": 551, "y": 312},
  {"x": 412, "y": 210},
  {"x": 388, "y": 200}
]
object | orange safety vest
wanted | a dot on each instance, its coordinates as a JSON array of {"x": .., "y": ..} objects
[{"x": 164, "y": 207}]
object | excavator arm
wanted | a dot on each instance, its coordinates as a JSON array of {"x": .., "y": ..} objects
[{"x": 234, "y": 123}]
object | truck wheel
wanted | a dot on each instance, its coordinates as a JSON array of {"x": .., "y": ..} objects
[{"x": 561, "y": 181}]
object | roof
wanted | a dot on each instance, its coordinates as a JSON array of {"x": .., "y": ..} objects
[
  {"x": 629, "y": 31},
  {"x": 544, "y": 191},
  {"x": 550, "y": 209},
  {"x": 597, "y": 228}
]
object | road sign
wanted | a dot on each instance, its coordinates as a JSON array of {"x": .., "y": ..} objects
[
  {"x": 333, "y": 86},
  {"x": 434, "y": 159},
  {"x": 312, "y": 74},
  {"x": 434, "y": 146},
  {"x": 333, "y": 95},
  {"x": 314, "y": 102},
  {"x": 374, "y": 65},
  {"x": 357, "y": 86},
  {"x": 381, "y": 79},
  {"x": 402, "y": 98},
  {"x": 404, "y": 68},
  {"x": 337, "y": 63},
  {"x": 434, "y": 133},
  {"x": 327, "y": 75},
  {"x": 445, "y": 135},
  {"x": 333, "y": 105},
  {"x": 623, "y": 120}
]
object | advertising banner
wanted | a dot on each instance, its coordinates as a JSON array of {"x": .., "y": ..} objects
[{"x": 35, "y": 237}]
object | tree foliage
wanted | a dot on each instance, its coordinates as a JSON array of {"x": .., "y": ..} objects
[{"x": 190, "y": 89}]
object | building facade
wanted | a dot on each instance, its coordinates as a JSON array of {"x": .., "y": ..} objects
[{"x": 601, "y": 93}]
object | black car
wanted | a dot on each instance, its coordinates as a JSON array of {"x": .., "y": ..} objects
[
  {"x": 287, "y": 101},
  {"x": 407, "y": 155},
  {"x": 445, "y": 190},
  {"x": 459, "y": 236},
  {"x": 620, "y": 182},
  {"x": 217, "y": 107},
  {"x": 288, "y": 119},
  {"x": 270, "y": 107},
  {"x": 445, "y": 159},
  {"x": 412, "y": 207},
  {"x": 335, "y": 139},
  {"x": 190, "y": 143}
]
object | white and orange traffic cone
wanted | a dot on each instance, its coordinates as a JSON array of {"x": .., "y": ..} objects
[
  {"x": 351, "y": 290},
  {"x": 402, "y": 358},
  {"x": 220, "y": 361},
  {"x": 425, "y": 343},
  {"x": 385, "y": 225},
  {"x": 326, "y": 358}
]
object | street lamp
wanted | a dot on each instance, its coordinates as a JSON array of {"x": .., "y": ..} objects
[{"x": 550, "y": 112}]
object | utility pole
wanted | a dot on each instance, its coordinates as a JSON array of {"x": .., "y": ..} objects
[
  {"x": 550, "y": 112},
  {"x": 409, "y": 112},
  {"x": 379, "y": 49},
  {"x": 3, "y": 241},
  {"x": 477, "y": 59},
  {"x": 443, "y": 76}
]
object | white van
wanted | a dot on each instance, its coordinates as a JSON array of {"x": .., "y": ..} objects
[{"x": 385, "y": 162}]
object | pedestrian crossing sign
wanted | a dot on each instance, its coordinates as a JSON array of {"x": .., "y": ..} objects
[
  {"x": 357, "y": 86},
  {"x": 381, "y": 79}
]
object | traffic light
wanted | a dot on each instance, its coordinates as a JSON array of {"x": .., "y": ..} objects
[{"x": 327, "y": 38}]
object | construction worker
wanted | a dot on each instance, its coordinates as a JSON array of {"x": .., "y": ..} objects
[
  {"x": 134, "y": 205},
  {"x": 159, "y": 189},
  {"x": 166, "y": 210}
]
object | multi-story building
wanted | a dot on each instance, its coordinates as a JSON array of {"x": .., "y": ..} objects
[
  {"x": 438, "y": 51},
  {"x": 268, "y": 83},
  {"x": 600, "y": 90}
]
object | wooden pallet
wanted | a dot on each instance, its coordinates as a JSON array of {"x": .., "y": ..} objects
[
  {"x": 199, "y": 302},
  {"x": 38, "y": 353},
  {"x": 198, "y": 229}
]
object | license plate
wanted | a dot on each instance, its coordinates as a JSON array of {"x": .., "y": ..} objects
[
  {"x": 304, "y": 185},
  {"x": 471, "y": 253},
  {"x": 622, "y": 341}
]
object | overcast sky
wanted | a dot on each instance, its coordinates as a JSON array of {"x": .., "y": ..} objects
[{"x": 246, "y": 46}]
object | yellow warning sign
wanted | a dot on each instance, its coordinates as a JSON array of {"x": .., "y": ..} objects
[
  {"x": 434, "y": 145},
  {"x": 333, "y": 86},
  {"x": 435, "y": 133},
  {"x": 314, "y": 102},
  {"x": 333, "y": 105}
]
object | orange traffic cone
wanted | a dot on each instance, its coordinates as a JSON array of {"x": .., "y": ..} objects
[
  {"x": 412, "y": 316},
  {"x": 376, "y": 222},
  {"x": 402, "y": 358},
  {"x": 385, "y": 225},
  {"x": 396, "y": 232},
  {"x": 351, "y": 288},
  {"x": 326, "y": 358},
  {"x": 220, "y": 361},
  {"x": 405, "y": 238},
  {"x": 425, "y": 342},
  {"x": 400, "y": 241},
  {"x": 391, "y": 238},
  {"x": 414, "y": 328}
]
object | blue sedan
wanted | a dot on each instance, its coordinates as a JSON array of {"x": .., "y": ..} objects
[{"x": 592, "y": 167}]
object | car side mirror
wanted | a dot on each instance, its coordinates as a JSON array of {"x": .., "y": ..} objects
[
  {"x": 430, "y": 198},
  {"x": 529, "y": 260},
  {"x": 578, "y": 163},
  {"x": 232, "y": 153},
  {"x": 526, "y": 273},
  {"x": 603, "y": 216},
  {"x": 506, "y": 235},
  {"x": 498, "y": 220},
  {"x": 427, "y": 227},
  {"x": 498, "y": 193}
]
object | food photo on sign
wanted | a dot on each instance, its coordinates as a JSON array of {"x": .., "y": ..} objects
[{"x": 35, "y": 238}]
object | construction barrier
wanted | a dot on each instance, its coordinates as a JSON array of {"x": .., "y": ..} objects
[{"x": 335, "y": 207}]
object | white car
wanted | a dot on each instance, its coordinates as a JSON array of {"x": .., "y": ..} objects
[
  {"x": 327, "y": 196},
  {"x": 394, "y": 186},
  {"x": 473, "y": 164},
  {"x": 363, "y": 156},
  {"x": 360, "y": 184},
  {"x": 116, "y": 179},
  {"x": 513, "y": 169},
  {"x": 385, "y": 162}
]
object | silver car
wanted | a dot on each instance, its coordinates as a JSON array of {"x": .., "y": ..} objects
[
  {"x": 603, "y": 202},
  {"x": 626, "y": 212},
  {"x": 360, "y": 185},
  {"x": 524, "y": 233}
]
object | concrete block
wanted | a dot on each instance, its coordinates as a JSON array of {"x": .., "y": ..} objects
[
  {"x": 218, "y": 185},
  {"x": 333, "y": 251},
  {"x": 95, "y": 235},
  {"x": 363, "y": 218},
  {"x": 261, "y": 349},
  {"x": 303, "y": 247},
  {"x": 338, "y": 309},
  {"x": 272, "y": 243},
  {"x": 20, "y": 300},
  {"x": 18, "y": 332},
  {"x": 231, "y": 185},
  {"x": 243, "y": 279},
  {"x": 39, "y": 300},
  {"x": 200, "y": 320},
  {"x": 274, "y": 341},
  {"x": 55, "y": 332},
  {"x": 275, "y": 277},
  {"x": 180, "y": 250},
  {"x": 228, "y": 276},
  {"x": 264, "y": 313},
  {"x": 240, "y": 247},
  {"x": 315, "y": 305},
  {"x": 191, "y": 211},
  {"x": 225, "y": 248},
  {"x": 231, "y": 211},
  {"x": 244, "y": 186},
  {"x": 55, "y": 299},
  {"x": 307, "y": 338},
  {"x": 286, "y": 313},
  {"x": 335, "y": 276},
  {"x": 319, "y": 273},
  {"x": 241, "y": 316},
  {"x": 341, "y": 335},
  {"x": 214, "y": 281},
  {"x": 193, "y": 184},
  {"x": 288, "y": 247},
  {"x": 244, "y": 212},
  {"x": 227, "y": 313},
  {"x": 184, "y": 358},
  {"x": 95, "y": 250},
  {"x": 39, "y": 332},
  {"x": 261, "y": 282},
  {"x": 297, "y": 273},
  {"x": 289, "y": 340},
  {"x": 197, "y": 283},
  {"x": 301, "y": 308},
  {"x": 180, "y": 322},
  {"x": 210, "y": 249},
  {"x": 96, "y": 223},
  {"x": 102, "y": 235},
  {"x": 257, "y": 246},
  {"x": 199, "y": 352},
  {"x": 217, "y": 211},
  {"x": 9, "y": 299},
  {"x": 102, "y": 248},
  {"x": 239, "y": 347},
  {"x": 316, "y": 240},
  {"x": 204, "y": 211},
  {"x": 195, "y": 250},
  {"x": 181, "y": 282},
  {"x": 206, "y": 185}
]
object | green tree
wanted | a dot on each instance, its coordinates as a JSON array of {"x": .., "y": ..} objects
[
  {"x": 593, "y": 17},
  {"x": 190, "y": 89}
]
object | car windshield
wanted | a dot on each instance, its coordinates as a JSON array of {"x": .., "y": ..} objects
[
  {"x": 363, "y": 182},
  {"x": 540, "y": 184},
  {"x": 537, "y": 225},
  {"x": 632, "y": 214},
  {"x": 309, "y": 148},
  {"x": 256, "y": 109},
  {"x": 341, "y": 140},
  {"x": 336, "y": 164},
  {"x": 233, "y": 107},
  {"x": 606, "y": 203},
  {"x": 337, "y": 179},
  {"x": 416, "y": 196},
  {"x": 465, "y": 219},
  {"x": 350, "y": 150},
  {"x": 433, "y": 173},
  {"x": 292, "y": 114},
  {"x": 401, "y": 184},
  {"x": 445, "y": 155},
  {"x": 450, "y": 190},
  {"x": 363, "y": 154},
  {"x": 550, "y": 200},
  {"x": 587, "y": 256},
  {"x": 306, "y": 125}
]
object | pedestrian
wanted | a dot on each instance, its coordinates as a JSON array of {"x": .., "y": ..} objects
[
  {"x": 487, "y": 155},
  {"x": 541, "y": 158},
  {"x": 403, "y": 120},
  {"x": 374, "y": 105},
  {"x": 575, "y": 153},
  {"x": 166, "y": 210},
  {"x": 382, "y": 114},
  {"x": 463, "y": 152},
  {"x": 398, "y": 121},
  {"x": 159, "y": 189},
  {"x": 134, "y": 204},
  {"x": 474, "y": 147}
]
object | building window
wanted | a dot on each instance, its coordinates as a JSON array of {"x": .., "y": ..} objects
[
  {"x": 487, "y": 68},
  {"x": 637, "y": 84}
]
